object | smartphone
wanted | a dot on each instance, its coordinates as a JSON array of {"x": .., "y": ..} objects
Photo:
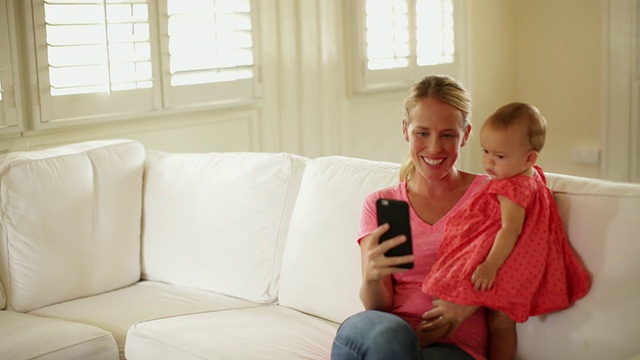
[{"x": 396, "y": 214}]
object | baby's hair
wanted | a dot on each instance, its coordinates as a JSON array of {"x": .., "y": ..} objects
[{"x": 521, "y": 113}]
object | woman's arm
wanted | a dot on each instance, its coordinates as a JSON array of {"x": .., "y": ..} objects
[
  {"x": 376, "y": 291},
  {"x": 512, "y": 222}
]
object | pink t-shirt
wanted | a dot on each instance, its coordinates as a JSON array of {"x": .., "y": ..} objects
[{"x": 409, "y": 302}]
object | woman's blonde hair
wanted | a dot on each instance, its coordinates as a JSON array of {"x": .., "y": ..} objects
[{"x": 443, "y": 88}]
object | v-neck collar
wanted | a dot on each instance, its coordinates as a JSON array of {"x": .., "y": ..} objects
[{"x": 478, "y": 181}]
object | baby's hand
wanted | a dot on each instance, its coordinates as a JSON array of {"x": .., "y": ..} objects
[{"x": 483, "y": 277}]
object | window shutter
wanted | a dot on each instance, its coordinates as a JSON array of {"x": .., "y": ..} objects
[
  {"x": 102, "y": 60},
  {"x": 94, "y": 58},
  {"x": 387, "y": 29},
  {"x": 208, "y": 53},
  {"x": 399, "y": 41},
  {"x": 435, "y": 32},
  {"x": 97, "y": 47}
]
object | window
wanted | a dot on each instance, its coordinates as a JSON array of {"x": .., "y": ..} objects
[
  {"x": 399, "y": 41},
  {"x": 211, "y": 49},
  {"x": 9, "y": 100},
  {"x": 621, "y": 115},
  {"x": 109, "y": 59},
  {"x": 97, "y": 48}
]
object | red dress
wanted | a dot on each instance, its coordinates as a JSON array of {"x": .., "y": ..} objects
[{"x": 541, "y": 275}]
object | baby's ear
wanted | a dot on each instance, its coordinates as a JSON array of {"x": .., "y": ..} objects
[{"x": 532, "y": 157}]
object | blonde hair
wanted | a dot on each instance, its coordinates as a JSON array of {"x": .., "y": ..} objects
[
  {"x": 440, "y": 87},
  {"x": 517, "y": 113}
]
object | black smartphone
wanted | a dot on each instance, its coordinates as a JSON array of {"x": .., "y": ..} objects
[{"x": 396, "y": 214}]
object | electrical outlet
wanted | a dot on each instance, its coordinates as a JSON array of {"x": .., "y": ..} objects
[{"x": 586, "y": 155}]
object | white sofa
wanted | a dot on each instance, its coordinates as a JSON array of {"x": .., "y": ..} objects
[{"x": 110, "y": 251}]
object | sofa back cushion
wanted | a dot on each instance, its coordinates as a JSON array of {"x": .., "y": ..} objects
[
  {"x": 321, "y": 272},
  {"x": 602, "y": 220},
  {"x": 70, "y": 221},
  {"x": 218, "y": 221}
]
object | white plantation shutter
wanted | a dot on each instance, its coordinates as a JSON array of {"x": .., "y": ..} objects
[
  {"x": 97, "y": 47},
  {"x": 9, "y": 104},
  {"x": 113, "y": 59},
  {"x": 400, "y": 41},
  {"x": 387, "y": 29},
  {"x": 94, "y": 59},
  {"x": 209, "y": 52},
  {"x": 210, "y": 42},
  {"x": 435, "y": 32}
]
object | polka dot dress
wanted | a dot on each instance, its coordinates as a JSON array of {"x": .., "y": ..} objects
[{"x": 541, "y": 275}]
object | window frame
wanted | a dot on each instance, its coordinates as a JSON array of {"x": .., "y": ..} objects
[
  {"x": 10, "y": 105},
  {"x": 161, "y": 99},
  {"x": 365, "y": 81}
]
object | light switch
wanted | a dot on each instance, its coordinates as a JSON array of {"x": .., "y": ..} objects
[{"x": 586, "y": 155}]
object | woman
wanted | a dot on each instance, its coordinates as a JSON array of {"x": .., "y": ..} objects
[{"x": 400, "y": 319}]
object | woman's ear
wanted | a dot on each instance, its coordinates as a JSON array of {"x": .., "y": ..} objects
[
  {"x": 465, "y": 137},
  {"x": 405, "y": 130}
]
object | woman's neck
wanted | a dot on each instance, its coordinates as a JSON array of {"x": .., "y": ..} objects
[
  {"x": 432, "y": 199},
  {"x": 454, "y": 180}
]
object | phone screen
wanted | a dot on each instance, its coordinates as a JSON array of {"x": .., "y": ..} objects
[{"x": 396, "y": 214}]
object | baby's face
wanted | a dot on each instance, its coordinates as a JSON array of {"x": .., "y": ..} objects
[{"x": 504, "y": 151}]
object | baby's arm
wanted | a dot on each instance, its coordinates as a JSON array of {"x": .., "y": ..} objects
[{"x": 512, "y": 222}]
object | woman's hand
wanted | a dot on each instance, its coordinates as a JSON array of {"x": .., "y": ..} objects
[
  {"x": 428, "y": 336},
  {"x": 375, "y": 265},
  {"x": 376, "y": 291},
  {"x": 446, "y": 313}
]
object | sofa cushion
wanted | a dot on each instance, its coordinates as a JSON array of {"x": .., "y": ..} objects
[
  {"x": 218, "y": 221},
  {"x": 116, "y": 311},
  {"x": 267, "y": 332},
  {"x": 33, "y": 337},
  {"x": 321, "y": 265},
  {"x": 602, "y": 222},
  {"x": 70, "y": 224}
]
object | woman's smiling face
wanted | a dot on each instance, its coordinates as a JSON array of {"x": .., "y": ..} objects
[{"x": 435, "y": 133}]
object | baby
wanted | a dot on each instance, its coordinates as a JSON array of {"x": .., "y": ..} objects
[{"x": 507, "y": 249}]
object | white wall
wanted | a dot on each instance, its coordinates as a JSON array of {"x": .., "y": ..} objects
[
  {"x": 547, "y": 52},
  {"x": 559, "y": 69},
  {"x": 493, "y": 66}
]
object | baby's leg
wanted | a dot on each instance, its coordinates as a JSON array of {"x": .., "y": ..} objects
[{"x": 503, "y": 339}]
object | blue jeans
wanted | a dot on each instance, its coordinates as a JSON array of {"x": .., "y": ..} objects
[{"x": 374, "y": 335}]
